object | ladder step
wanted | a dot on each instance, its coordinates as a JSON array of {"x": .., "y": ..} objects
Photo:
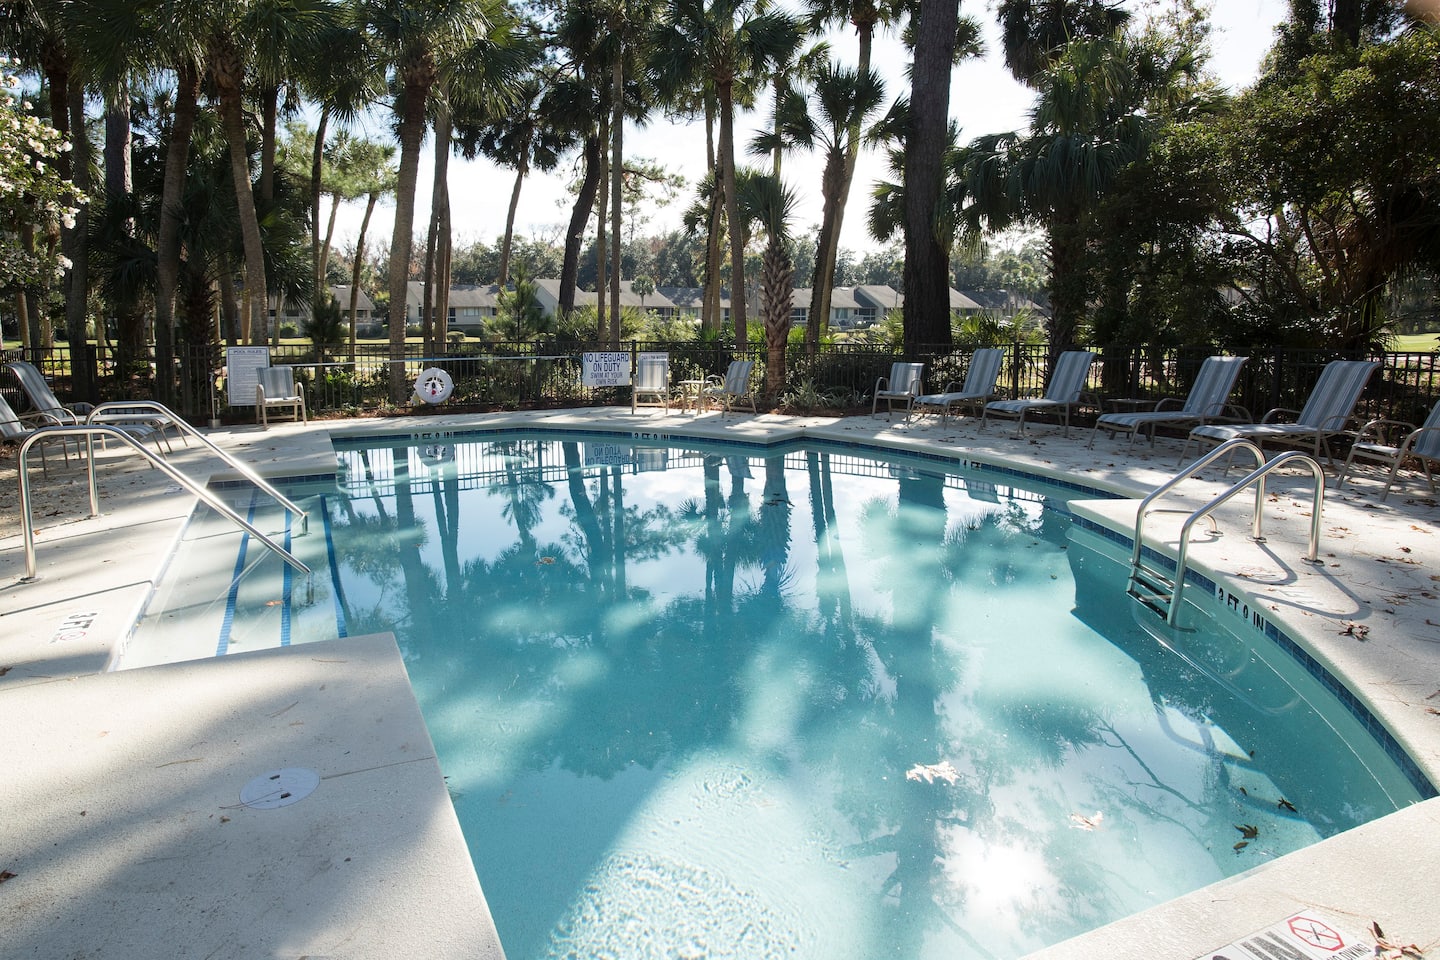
[{"x": 1151, "y": 587}]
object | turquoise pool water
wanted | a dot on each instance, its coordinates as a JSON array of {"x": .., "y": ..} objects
[{"x": 730, "y": 702}]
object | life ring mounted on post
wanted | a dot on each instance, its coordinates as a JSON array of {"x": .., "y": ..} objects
[{"x": 434, "y": 385}]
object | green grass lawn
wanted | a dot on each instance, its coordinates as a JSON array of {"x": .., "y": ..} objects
[{"x": 1418, "y": 342}]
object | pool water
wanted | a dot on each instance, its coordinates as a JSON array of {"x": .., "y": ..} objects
[{"x": 803, "y": 702}]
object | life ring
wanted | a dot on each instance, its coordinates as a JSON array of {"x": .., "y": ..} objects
[{"x": 434, "y": 385}]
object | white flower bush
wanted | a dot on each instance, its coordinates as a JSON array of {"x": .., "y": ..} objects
[{"x": 34, "y": 200}]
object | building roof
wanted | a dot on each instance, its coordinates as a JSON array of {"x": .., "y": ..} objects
[
  {"x": 342, "y": 295},
  {"x": 628, "y": 297},
  {"x": 878, "y": 296},
  {"x": 464, "y": 295}
]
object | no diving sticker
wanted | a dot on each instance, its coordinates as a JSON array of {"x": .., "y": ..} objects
[{"x": 1306, "y": 936}]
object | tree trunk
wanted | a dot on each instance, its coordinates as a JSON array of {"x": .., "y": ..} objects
[
  {"x": 602, "y": 205},
  {"x": 418, "y": 80},
  {"x": 77, "y": 300},
  {"x": 355, "y": 267},
  {"x": 129, "y": 316},
  {"x": 776, "y": 296},
  {"x": 441, "y": 203},
  {"x": 167, "y": 247},
  {"x": 579, "y": 217},
  {"x": 827, "y": 251},
  {"x": 269, "y": 107},
  {"x": 710, "y": 319},
  {"x": 732, "y": 216},
  {"x": 520, "y": 170},
  {"x": 927, "y": 262},
  {"x": 617, "y": 182},
  {"x": 317, "y": 173},
  {"x": 228, "y": 70},
  {"x": 1068, "y": 293}
]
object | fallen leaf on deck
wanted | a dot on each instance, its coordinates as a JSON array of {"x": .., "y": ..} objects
[
  {"x": 1357, "y": 630},
  {"x": 930, "y": 772},
  {"x": 6, "y": 875},
  {"x": 1384, "y": 947}
]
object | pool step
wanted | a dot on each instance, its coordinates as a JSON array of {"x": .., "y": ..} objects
[{"x": 225, "y": 592}]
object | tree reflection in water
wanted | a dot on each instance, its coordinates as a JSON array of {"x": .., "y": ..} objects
[{"x": 677, "y": 718}]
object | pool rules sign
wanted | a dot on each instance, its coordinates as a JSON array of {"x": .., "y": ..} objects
[{"x": 1311, "y": 935}]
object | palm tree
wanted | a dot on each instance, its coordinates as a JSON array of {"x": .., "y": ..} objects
[
  {"x": 520, "y": 138},
  {"x": 720, "y": 45},
  {"x": 940, "y": 37},
  {"x": 1090, "y": 122},
  {"x": 1033, "y": 33},
  {"x": 264, "y": 32},
  {"x": 417, "y": 41},
  {"x": 766, "y": 201},
  {"x": 842, "y": 100},
  {"x": 375, "y": 168}
]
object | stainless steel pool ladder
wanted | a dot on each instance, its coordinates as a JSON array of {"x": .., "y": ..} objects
[
  {"x": 1157, "y": 587},
  {"x": 92, "y": 430}
]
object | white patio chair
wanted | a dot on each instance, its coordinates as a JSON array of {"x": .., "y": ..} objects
[
  {"x": 735, "y": 388},
  {"x": 977, "y": 390},
  {"x": 1067, "y": 383},
  {"x": 1421, "y": 445},
  {"x": 903, "y": 386},
  {"x": 1328, "y": 412},
  {"x": 1205, "y": 401},
  {"x": 652, "y": 379},
  {"x": 275, "y": 387}
]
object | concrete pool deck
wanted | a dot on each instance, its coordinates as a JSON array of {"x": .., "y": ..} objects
[{"x": 155, "y": 863}]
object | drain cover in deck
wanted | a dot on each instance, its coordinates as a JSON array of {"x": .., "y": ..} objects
[{"x": 279, "y": 788}]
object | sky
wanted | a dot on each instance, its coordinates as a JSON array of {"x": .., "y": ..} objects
[{"x": 984, "y": 99}]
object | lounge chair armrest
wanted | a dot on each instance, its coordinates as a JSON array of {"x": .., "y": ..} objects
[
  {"x": 1414, "y": 436},
  {"x": 1381, "y": 429},
  {"x": 1230, "y": 412},
  {"x": 42, "y": 419},
  {"x": 1272, "y": 415},
  {"x": 883, "y": 383}
]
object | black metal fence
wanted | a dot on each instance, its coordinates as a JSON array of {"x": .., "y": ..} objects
[{"x": 537, "y": 375}]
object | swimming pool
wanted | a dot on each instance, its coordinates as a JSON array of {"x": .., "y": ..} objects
[{"x": 719, "y": 701}]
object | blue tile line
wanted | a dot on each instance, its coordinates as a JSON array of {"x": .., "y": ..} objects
[
  {"x": 227, "y": 623},
  {"x": 334, "y": 567},
  {"x": 287, "y": 592},
  {"x": 1362, "y": 713}
]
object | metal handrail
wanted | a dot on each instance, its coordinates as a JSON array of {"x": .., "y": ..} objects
[
  {"x": 1227, "y": 448},
  {"x": 89, "y": 432},
  {"x": 175, "y": 419},
  {"x": 1257, "y": 477}
]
